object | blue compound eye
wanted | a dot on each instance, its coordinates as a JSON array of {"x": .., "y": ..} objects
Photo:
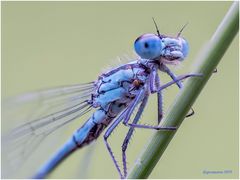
[
  {"x": 148, "y": 46},
  {"x": 185, "y": 47}
]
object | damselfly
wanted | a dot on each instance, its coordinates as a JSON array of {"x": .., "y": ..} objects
[{"x": 114, "y": 96}]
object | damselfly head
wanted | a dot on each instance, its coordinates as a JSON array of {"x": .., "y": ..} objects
[
  {"x": 167, "y": 49},
  {"x": 148, "y": 46},
  {"x": 163, "y": 48}
]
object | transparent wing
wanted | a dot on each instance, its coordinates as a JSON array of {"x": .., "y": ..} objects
[{"x": 37, "y": 114}]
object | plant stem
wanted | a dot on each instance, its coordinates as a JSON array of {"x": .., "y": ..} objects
[{"x": 206, "y": 63}]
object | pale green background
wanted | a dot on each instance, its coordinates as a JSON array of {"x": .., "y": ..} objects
[{"x": 45, "y": 44}]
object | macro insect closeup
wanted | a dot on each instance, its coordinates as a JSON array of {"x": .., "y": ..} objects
[{"x": 116, "y": 97}]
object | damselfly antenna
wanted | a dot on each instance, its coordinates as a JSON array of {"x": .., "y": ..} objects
[
  {"x": 179, "y": 33},
  {"x": 156, "y": 27}
]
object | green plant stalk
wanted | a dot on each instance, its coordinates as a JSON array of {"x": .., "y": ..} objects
[{"x": 207, "y": 62}]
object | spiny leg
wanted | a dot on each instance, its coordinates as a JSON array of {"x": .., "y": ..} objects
[
  {"x": 154, "y": 86},
  {"x": 108, "y": 133},
  {"x": 190, "y": 113},
  {"x": 159, "y": 100},
  {"x": 179, "y": 84},
  {"x": 136, "y": 101},
  {"x": 130, "y": 132},
  {"x": 131, "y": 109},
  {"x": 113, "y": 126},
  {"x": 172, "y": 75},
  {"x": 160, "y": 106},
  {"x": 179, "y": 78},
  {"x": 138, "y": 115},
  {"x": 154, "y": 83}
]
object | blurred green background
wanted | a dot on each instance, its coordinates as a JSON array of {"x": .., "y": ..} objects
[{"x": 46, "y": 44}]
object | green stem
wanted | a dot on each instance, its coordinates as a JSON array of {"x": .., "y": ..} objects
[{"x": 206, "y": 63}]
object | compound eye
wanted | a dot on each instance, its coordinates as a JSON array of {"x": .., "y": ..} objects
[{"x": 148, "y": 46}]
